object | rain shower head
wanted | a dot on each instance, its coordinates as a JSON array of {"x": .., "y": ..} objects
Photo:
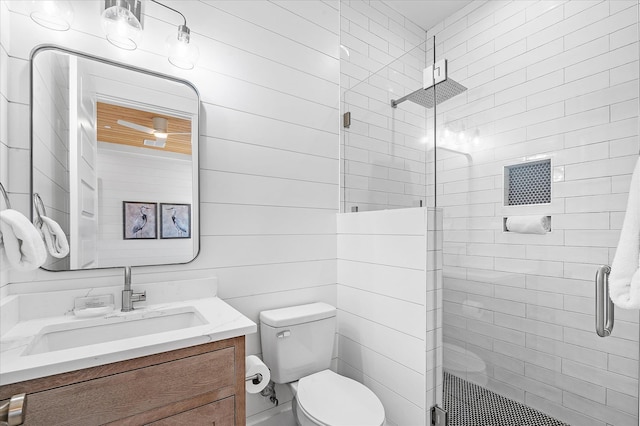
[
  {"x": 434, "y": 79},
  {"x": 425, "y": 97}
]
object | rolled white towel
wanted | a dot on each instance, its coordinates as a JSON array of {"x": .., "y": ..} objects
[
  {"x": 624, "y": 280},
  {"x": 23, "y": 245},
  {"x": 529, "y": 224},
  {"x": 54, "y": 237}
]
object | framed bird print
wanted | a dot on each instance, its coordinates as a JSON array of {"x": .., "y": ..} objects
[
  {"x": 139, "y": 220},
  {"x": 175, "y": 220}
]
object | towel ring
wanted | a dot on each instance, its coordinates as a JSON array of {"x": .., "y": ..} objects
[
  {"x": 39, "y": 208},
  {"x": 4, "y": 195}
]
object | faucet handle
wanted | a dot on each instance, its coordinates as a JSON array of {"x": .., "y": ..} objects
[{"x": 139, "y": 297}]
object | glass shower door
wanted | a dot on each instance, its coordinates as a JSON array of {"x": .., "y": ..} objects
[{"x": 533, "y": 169}]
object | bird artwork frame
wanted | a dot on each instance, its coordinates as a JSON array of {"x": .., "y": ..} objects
[
  {"x": 175, "y": 220},
  {"x": 139, "y": 220}
]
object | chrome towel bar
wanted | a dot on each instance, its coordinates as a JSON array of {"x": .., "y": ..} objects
[{"x": 5, "y": 196}]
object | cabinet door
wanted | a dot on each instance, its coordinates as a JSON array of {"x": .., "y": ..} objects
[
  {"x": 219, "y": 413},
  {"x": 132, "y": 393}
]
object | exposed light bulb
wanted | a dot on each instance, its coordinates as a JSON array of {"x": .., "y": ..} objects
[
  {"x": 182, "y": 52},
  {"x": 55, "y": 15},
  {"x": 121, "y": 23},
  {"x": 476, "y": 137}
]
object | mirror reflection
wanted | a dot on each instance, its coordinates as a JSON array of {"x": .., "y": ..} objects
[{"x": 114, "y": 161}]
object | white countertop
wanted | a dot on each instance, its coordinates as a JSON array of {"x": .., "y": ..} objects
[{"x": 221, "y": 322}]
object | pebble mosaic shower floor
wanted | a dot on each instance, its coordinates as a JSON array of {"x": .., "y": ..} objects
[{"x": 472, "y": 405}]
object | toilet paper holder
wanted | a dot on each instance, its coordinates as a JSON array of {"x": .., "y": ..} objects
[{"x": 255, "y": 379}]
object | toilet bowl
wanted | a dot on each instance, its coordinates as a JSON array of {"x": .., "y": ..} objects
[
  {"x": 464, "y": 363},
  {"x": 329, "y": 399},
  {"x": 297, "y": 346}
]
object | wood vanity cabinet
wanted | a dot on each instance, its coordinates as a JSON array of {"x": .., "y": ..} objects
[{"x": 199, "y": 385}]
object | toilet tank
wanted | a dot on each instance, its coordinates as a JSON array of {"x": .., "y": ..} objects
[{"x": 297, "y": 341}]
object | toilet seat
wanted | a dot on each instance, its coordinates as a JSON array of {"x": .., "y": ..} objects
[{"x": 329, "y": 399}]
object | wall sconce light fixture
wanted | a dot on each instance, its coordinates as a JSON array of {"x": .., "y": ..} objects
[
  {"x": 182, "y": 53},
  {"x": 121, "y": 21},
  {"x": 55, "y": 15},
  {"x": 122, "y": 24}
]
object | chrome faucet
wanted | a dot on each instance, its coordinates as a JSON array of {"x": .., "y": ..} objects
[{"x": 128, "y": 296}]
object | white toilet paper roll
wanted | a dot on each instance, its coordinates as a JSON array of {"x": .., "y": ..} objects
[{"x": 254, "y": 365}]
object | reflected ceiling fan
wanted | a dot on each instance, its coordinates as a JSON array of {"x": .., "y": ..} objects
[{"x": 159, "y": 130}]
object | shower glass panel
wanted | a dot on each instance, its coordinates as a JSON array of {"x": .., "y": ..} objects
[
  {"x": 533, "y": 169},
  {"x": 387, "y": 153},
  {"x": 389, "y": 253}
]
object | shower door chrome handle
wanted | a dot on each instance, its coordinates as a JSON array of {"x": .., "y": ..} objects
[{"x": 604, "y": 304}]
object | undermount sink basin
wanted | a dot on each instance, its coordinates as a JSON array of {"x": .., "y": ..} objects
[
  {"x": 41, "y": 337},
  {"x": 83, "y": 333}
]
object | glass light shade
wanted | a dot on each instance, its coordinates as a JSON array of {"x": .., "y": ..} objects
[
  {"x": 182, "y": 53},
  {"x": 121, "y": 26},
  {"x": 55, "y": 15}
]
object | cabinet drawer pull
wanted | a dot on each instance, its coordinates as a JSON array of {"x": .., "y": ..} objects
[{"x": 12, "y": 412}]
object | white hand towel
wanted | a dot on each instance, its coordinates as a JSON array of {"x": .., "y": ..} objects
[
  {"x": 624, "y": 280},
  {"x": 23, "y": 245},
  {"x": 529, "y": 224},
  {"x": 54, "y": 237}
]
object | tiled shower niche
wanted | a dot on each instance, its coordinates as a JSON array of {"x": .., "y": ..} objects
[{"x": 527, "y": 183}]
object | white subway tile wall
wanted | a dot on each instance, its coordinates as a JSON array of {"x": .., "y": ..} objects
[
  {"x": 383, "y": 151},
  {"x": 268, "y": 137},
  {"x": 556, "y": 80},
  {"x": 390, "y": 331}
]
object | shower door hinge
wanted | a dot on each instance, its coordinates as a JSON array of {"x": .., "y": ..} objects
[
  {"x": 346, "y": 119},
  {"x": 439, "y": 416},
  {"x": 434, "y": 74}
]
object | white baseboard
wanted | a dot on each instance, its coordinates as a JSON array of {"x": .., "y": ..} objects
[{"x": 276, "y": 416}]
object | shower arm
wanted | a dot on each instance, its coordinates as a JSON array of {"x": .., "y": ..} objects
[
  {"x": 395, "y": 102},
  {"x": 431, "y": 76}
]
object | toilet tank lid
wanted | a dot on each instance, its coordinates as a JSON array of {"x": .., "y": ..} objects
[{"x": 297, "y": 314}]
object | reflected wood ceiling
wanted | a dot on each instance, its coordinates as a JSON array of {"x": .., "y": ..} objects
[{"x": 110, "y": 131}]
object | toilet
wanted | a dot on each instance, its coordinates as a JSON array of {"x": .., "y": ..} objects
[{"x": 297, "y": 346}]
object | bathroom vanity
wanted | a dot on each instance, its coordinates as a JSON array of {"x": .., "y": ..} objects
[
  {"x": 202, "y": 384},
  {"x": 177, "y": 359},
  {"x": 174, "y": 356}
]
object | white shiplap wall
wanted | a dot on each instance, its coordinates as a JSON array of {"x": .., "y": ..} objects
[
  {"x": 50, "y": 133},
  {"x": 388, "y": 276},
  {"x": 269, "y": 145},
  {"x": 4, "y": 119},
  {"x": 558, "y": 80},
  {"x": 136, "y": 175}
]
